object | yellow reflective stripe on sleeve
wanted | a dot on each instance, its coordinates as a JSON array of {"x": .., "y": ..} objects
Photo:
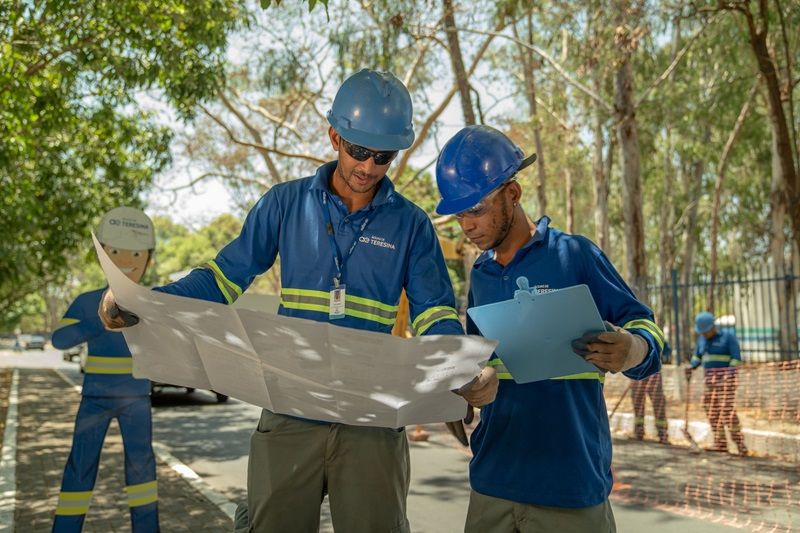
[
  {"x": 583, "y": 375},
  {"x": 650, "y": 327},
  {"x": 431, "y": 316},
  {"x": 73, "y": 503},
  {"x": 716, "y": 358},
  {"x": 230, "y": 290},
  {"x": 355, "y": 306},
  {"x": 735, "y": 362},
  {"x": 500, "y": 369},
  {"x": 108, "y": 365},
  {"x": 64, "y": 322},
  {"x": 142, "y": 494}
]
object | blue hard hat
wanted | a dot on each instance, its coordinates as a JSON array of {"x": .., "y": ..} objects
[
  {"x": 473, "y": 163},
  {"x": 703, "y": 322},
  {"x": 373, "y": 109}
]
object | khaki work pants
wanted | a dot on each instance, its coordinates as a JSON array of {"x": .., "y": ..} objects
[
  {"x": 365, "y": 472},
  {"x": 495, "y": 515}
]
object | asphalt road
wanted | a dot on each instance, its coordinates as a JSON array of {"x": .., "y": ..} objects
[{"x": 212, "y": 439}]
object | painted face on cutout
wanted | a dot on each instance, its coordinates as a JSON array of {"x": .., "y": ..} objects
[{"x": 132, "y": 263}]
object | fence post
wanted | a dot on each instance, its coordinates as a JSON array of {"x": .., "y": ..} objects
[{"x": 676, "y": 339}]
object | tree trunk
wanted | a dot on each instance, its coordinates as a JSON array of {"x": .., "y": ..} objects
[
  {"x": 601, "y": 177},
  {"x": 787, "y": 332},
  {"x": 692, "y": 189},
  {"x": 777, "y": 117},
  {"x": 457, "y": 62},
  {"x": 528, "y": 67},
  {"x": 723, "y": 165},
  {"x": 570, "y": 193},
  {"x": 636, "y": 259}
]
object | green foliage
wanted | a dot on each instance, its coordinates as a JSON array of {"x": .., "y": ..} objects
[{"x": 73, "y": 140}]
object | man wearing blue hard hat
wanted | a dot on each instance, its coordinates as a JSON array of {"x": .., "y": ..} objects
[
  {"x": 542, "y": 450},
  {"x": 718, "y": 352},
  {"x": 348, "y": 245}
]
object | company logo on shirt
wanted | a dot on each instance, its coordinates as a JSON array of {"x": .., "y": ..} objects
[
  {"x": 542, "y": 289},
  {"x": 374, "y": 240}
]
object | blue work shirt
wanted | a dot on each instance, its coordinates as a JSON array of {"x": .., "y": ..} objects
[
  {"x": 397, "y": 249},
  {"x": 548, "y": 442},
  {"x": 719, "y": 352},
  {"x": 109, "y": 367}
]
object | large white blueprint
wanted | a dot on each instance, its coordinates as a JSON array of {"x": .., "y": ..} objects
[{"x": 293, "y": 366}]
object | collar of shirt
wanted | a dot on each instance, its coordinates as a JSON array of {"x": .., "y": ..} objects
[
  {"x": 321, "y": 182},
  {"x": 539, "y": 235}
]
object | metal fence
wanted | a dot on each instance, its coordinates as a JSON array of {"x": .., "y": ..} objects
[{"x": 761, "y": 305}]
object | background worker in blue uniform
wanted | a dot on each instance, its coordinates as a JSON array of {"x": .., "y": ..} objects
[
  {"x": 652, "y": 386},
  {"x": 542, "y": 450},
  {"x": 348, "y": 245},
  {"x": 109, "y": 388},
  {"x": 718, "y": 352}
]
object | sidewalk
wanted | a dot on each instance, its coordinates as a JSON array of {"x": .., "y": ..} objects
[{"x": 47, "y": 407}]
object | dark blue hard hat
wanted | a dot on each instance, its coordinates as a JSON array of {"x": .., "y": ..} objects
[
  {"x": 373, "y": 109},
  {"x": 703, "y": 322},
  {"x": 473, "y": 163}
]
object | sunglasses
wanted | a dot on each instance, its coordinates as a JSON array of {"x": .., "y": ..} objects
[
  {"x": 482, "y": 207},
  {"x": 359, "y": 153}
]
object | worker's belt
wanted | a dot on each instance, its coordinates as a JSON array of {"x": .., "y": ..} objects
[{"x": 108, "y": 365}]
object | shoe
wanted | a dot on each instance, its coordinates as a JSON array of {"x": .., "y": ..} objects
[{"x": 721, "y": 449}]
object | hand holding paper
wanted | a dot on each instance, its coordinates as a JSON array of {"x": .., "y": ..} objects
[
  {"x": 112, "y": 317},
  {"x": 481, "y": 390}
]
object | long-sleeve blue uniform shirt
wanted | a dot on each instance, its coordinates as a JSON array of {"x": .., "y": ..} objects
[
  {"x": 109, "y": 366},
  {"x": 548, "y": 442}
]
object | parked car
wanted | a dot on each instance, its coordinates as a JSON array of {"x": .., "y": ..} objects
[
  {"x": 157, "y": 388},
  {"x": 35, "y": 342},
  {"x": 71, "y": 353}
]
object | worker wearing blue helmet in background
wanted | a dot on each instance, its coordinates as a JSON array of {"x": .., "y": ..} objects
[
  {"x": 718, "y": 352},
  {"x": 348, "y": 244},
  {"x": 542, "y": 450}
]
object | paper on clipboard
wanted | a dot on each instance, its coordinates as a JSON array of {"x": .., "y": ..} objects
[{"x": 535, "y": 331}]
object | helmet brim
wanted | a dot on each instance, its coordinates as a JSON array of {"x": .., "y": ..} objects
[{"x": 373, "y": 140}]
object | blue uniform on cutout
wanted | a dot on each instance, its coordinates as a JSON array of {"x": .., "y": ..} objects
[{"x": 109, "y": 391}]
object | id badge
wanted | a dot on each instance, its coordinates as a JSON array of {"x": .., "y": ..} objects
[{"x": 337, "y": 297}]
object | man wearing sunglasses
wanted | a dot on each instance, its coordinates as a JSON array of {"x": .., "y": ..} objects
[
  {"x": 542, "y": 450},
  {"x": 348, "y": 244}
]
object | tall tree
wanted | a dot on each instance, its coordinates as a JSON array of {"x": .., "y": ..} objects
[{"x": 73, "y": 141}]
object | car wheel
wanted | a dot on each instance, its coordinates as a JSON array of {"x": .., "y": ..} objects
[{"x": 221, "y": 398}]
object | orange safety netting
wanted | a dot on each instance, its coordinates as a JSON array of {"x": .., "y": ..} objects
[{"x": 759, "y": 408}]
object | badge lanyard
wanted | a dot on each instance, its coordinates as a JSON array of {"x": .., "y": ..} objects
[{"x": 338, "y": 291}]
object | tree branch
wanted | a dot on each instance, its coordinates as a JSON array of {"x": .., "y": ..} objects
[
  {"x": 556, "y": 66},
  {"x": 423, "y": 133},
  {"x": 256, "y": 134},
  {"x": 227, "y": 176},
  {"x": 674, "y": 64},
  {"x": 259, "y": 147}
]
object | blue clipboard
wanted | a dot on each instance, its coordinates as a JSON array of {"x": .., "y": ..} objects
[{"x": 535, "y": 331}]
